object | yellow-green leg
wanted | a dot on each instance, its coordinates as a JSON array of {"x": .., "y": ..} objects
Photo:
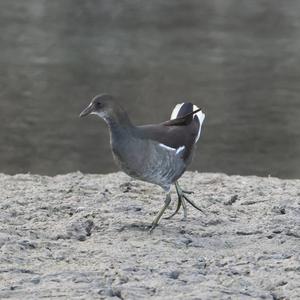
[{"x": 157, "y": 218}]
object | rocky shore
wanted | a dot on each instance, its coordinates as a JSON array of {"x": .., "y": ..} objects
[{"x": 80, "y": 236}]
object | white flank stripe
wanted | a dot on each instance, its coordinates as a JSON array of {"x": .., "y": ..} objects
[
  {"x": 199, "y": 114},
  {"x": 180, "y": 149},
  {"x": 201, "y": 117},
  {"x": 175, "y": 111},
  {"x": 167, "y": 147}
]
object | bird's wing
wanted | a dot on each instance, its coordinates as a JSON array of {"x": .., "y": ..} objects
[
  {"x": 171, "y": 136},
  {"x": 183, "y": 130}
]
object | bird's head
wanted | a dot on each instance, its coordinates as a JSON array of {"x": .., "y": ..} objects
[{"x": 101, "y": 105}]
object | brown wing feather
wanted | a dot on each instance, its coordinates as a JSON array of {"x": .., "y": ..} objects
[
  {"x": 174, "y": 133},
  {"x": 172, "y": 136}
]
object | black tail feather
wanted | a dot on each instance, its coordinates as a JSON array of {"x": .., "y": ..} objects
[{"x": 182, "y": 121}]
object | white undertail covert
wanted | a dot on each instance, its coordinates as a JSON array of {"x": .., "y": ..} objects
[{"x": 199, "y": 114}]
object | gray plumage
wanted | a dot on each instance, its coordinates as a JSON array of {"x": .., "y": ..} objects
[{"x": 154, "y": 163}]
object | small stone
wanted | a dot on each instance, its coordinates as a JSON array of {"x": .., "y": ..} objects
[
  {"x": 81, "y": 237},
  {"x": 279, "y": 210},
  {"x": 109, "y": 292},
  {"x": 27, "y": 244},
  {"x": 36, "y": 280},
  {"x": 186, "y": 240},
  {"x": 114, "y": 292},
  {"x": 232, "y": 200},
  {"x": 174, "y": 274},
  {"x": 79, "y": 209},
  {"x": 123, "y": 279},
  {"x": 293, "y": 233},
  {"x": 201, "y": 263},
  {"x": 282, "y": 210},
  {"x": 80, "y": 228}
]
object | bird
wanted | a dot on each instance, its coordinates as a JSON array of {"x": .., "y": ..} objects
[{"x": 155, "y": 153}]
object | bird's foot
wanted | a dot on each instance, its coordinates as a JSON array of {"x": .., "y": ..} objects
[
  {"x": 193, "y": 204},
  {"x": 182, "y": 199},
  {"x": 180, "y": 202}
]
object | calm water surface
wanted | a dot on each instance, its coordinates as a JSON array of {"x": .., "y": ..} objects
[{"x": 238, "y": 60}]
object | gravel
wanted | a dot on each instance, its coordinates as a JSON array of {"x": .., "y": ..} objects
[{"x": 81, "y": 236}]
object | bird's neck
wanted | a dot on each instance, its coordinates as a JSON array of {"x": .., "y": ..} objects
[{"x": 118, "y": 121}]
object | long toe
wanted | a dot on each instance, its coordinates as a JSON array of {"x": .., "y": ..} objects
[
  {"x": 182, "y": 194},
  {"x": 179, "y": 203},
  {"x": 193, "y": 204},
  {"x": 187, "y": 192}
]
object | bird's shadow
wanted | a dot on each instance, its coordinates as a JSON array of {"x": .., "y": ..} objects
[{"x": 143, "y": 227}]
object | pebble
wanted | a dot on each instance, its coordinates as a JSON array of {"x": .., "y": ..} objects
[{"x": 174, "y": 274}]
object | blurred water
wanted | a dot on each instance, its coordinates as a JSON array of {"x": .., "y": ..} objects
[{"x": 238, "y": 60}]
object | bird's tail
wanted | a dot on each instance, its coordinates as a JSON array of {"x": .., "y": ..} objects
[{"x": 183, "y": 109}]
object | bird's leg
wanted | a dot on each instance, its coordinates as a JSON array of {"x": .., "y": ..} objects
[
  {"x": 157, "y": 218},
  {"x": 181, "y": 193},
  {"x": 184, "y": 208},
  {"x": 180, "y": 201}
]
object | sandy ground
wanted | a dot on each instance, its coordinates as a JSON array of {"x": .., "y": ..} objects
[{"x": 79, "y": 236}]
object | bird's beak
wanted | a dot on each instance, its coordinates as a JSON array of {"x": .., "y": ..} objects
[{"x": 87, "y": 111}]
